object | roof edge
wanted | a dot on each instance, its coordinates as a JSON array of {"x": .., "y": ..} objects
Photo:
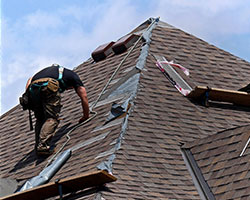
[{"x": 9, "y": 111}]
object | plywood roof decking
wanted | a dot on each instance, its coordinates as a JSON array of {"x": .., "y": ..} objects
[{"x": 149, "y": 163}]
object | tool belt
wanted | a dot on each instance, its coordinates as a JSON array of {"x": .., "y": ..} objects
[{"x": 52, "y": 84}]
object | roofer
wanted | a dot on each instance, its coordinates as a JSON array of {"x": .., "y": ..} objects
[{"x": 43, "y": 97}]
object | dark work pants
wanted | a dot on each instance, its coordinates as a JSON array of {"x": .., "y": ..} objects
[{"x": 46, "y": 106}]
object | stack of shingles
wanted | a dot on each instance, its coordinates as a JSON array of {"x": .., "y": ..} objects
[{"x": 218, "y": 157}]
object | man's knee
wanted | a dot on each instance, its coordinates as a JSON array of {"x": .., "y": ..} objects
[{"x": 48, "y": 129}]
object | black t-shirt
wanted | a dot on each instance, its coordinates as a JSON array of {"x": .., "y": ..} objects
[{"x": 70, "y": 78}]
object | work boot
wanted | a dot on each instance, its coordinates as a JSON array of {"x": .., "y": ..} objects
[{"x": 43, "y": 149}]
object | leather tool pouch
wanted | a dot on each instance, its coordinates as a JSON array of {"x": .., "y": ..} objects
[{"x": 53, "y": 85}]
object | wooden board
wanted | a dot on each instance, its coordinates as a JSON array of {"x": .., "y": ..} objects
[
  {"x": 215, "y": 94},
  {"x": 68, "y": 185}
]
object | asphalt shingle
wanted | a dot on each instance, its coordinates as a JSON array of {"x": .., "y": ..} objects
[{"x": 147, "y": 158}]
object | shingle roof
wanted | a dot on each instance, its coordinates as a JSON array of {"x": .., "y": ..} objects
[
  {"x": 142, "y": 149},
  {"x": 224, "y": 162}
]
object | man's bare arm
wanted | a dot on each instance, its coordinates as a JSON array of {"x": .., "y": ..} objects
[{"x": 81, "y": 91}]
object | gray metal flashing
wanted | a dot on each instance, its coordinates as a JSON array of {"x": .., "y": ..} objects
[
  {"x": 117, "y": 110},
  {"x": 131, "y": 86},
  {"x": 47, "y": 173},
  {"x": 112, "y": 123},
  {"x": 199, "y": 181},
  {"x": 144, "y": 51},
  {"x": 106, "y": 153},
  {"x": 122, "y": 86},
  {"x": 127, "y": 87},
  {"x": 107, "y": 165},
  {"x": 111, "y": 99},
  {"x": 90, "y": 141},
  {"x": 114, "y": 81},
  {"x": 128, "y": 69}
]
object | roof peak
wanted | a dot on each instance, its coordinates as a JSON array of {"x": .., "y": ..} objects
[{"x": 146, "y": 23}]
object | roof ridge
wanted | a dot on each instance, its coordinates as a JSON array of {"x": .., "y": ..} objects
[{"x": 107, "y": 165}]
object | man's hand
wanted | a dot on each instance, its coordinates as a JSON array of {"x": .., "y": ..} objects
[
  {"x": 85, "y": 105},
  {"x": 83, "y": 119}
]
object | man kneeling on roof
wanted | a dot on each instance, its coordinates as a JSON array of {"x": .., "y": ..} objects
[{"x": 44, "y": 99}]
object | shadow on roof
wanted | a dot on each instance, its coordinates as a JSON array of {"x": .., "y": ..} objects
[
  {"x": 31, "y": 156},
  {"x": 26, "y": 160},
  {"x": 88, "y": 192},
  {"x": 221, "y": 105}
]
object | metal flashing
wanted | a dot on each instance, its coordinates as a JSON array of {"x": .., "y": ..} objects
[
  {"x": 117, "y": 110},
  {"x": 48, "y": 172},
  {"x": 90, "y": 141},
  {"x": 107, "y": 165},
  {"x": 127, "y": 87},
  {"x": 144, "y": 51},
  {"x": 106, "y": 153},
  {"x": 124, "y": 86},
  {"x": 113, "y": 123},
  {"x": 130, "y": 86},
  {"x": 110, "y": 100},
  {"x": 199, "y": 181}
]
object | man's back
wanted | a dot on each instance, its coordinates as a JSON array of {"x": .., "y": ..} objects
[
  {"x": 48, "y": 72},
  {"x": 70, "y": 78}
]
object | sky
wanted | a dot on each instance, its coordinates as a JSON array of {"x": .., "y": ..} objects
[{"x": 36, "y": 34}]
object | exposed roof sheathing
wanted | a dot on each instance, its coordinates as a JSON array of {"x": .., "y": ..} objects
[{"x": 142, "y": 149}]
